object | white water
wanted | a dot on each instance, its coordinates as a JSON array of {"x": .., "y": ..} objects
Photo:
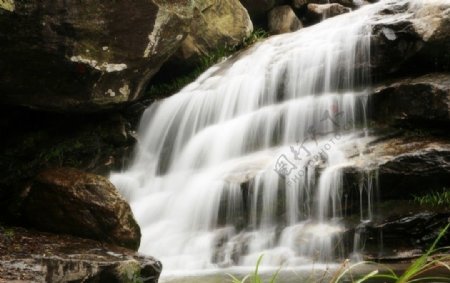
[{"x": 203, "y": 186}]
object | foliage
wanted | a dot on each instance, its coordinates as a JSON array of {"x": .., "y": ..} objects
[{"x": 434, "y": 199}]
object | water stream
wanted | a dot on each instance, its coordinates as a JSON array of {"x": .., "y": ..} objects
[{"x": 248, "y": 158}]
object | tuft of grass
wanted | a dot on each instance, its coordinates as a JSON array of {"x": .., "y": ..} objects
[
  {"x": 414, "y": 273},
  {"x": 434, "y": 199},
  {"x": 255, "y": 277}
]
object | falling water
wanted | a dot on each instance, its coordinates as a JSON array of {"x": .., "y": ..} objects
[{"x": 248, "y": 158}]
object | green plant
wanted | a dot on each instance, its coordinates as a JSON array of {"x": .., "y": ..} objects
[
  {"x": 427, "y": 262},
  {"x": 434, "y": 199},
  {"x": 255, "y": 277},
  {"x": 254, "y": 37}
]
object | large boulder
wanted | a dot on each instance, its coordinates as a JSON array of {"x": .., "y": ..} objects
[
  {"x": 69, "y": 201},
  {"x": 216, "y": 24},
  {"x": 282, "y": 19},
  {"x": 424, "y": 99},
  {"x": 86, "y": 55}
]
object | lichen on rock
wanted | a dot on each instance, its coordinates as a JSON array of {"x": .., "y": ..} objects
[{"x": 7, "y": 5}]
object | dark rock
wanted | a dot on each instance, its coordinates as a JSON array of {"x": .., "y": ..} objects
[
  {"x": 282, "y": 20},
  {"x": 29, "y": 256},
  {"x": 403, "y": 237},
  {"x": 419, "y": 172},
  {"x": 81, "y": 56},
  {"x": 424, "y": 99},
  {"x": 258, "y": 9},
  {"x": 69, "y": 201}
]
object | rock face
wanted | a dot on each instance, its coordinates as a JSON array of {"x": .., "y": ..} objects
[
  {"x": 28, "y": 256},
  {"x": 425, "y": 99},
  {"x": 86, "y": 56},
  {"x": 216, "y": 24},
  {"x": 282, "y": 19},
  {"x": 69, "y": 201}
]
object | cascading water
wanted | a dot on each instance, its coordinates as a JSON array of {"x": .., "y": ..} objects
[{"x": 247, "y": 159}]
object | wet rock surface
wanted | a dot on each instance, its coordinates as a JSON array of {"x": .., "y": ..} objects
[
  {"x": 69, "y": 201},
  {"x": 30, "y": 256}
]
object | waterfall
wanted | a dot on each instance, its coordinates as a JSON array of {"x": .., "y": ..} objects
[{"x": 248, "y": 158}]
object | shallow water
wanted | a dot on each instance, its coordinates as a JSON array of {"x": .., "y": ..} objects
[{"x": 305, "y": 274}]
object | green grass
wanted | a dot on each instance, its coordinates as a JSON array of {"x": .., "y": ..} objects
[{"x": 434, "y": 199}]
